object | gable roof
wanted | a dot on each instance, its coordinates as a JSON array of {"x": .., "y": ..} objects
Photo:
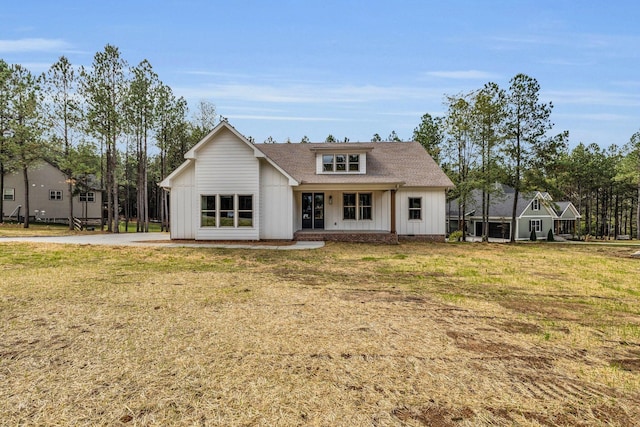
[
  {"x": 192, "y": 154},
  {"x": 395, "y": 163},
  {"x": 501, "y": 205}
]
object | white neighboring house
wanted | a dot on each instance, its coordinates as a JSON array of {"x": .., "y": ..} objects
[
  {"x": 231, "y": 189},
  {"x": 48, "y": 196}
]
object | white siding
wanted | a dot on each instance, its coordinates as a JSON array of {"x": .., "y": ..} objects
[
  {"x": 380, "y": 213},
  {"x": 432, "y": 220},
  {"x": 276, "y": 215},
  {"x": 182, "y": 206},
  {"x": 227, "y": 166}
]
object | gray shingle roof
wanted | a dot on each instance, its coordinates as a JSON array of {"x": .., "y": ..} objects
[{"x": 405, "y": 163}]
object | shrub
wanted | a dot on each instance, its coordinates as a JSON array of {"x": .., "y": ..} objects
[
  {"x": 456, "y": 236},
  {"x": 550, "y": 236},
  {"x": 533, "y": 236}
]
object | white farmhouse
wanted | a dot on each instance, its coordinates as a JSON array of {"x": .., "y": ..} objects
[{"x": 231, "y": 189}]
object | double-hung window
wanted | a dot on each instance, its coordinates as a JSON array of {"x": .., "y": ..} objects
[
  {"x": 415, "y": 207},
  {"x": 357, "y": 206},
  {"x": 208, "y": 211},
  {"x": 364, "y": 206},
  {"x": 55, "y": 194},
  {"x": 245, "y": 211},
  {"x": 227, "y": 211},
  {"x": 9, "y": 194},
  {"x": 535, "y": 225},
  {"x": 535, "y": 205}
]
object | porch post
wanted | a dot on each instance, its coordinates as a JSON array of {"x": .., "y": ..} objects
[{"x": 393, "y": 211}]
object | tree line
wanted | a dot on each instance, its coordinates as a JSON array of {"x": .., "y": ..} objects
[
  {"x": 494, "y": 135},
  {"x": 100, "y": 121}
]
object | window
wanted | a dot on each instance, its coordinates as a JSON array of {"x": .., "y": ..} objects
[
  {"x": 354, "y": 162},
  {"x": 9, "y": 194},
  {"x": 357, "y": 206},
  {"x": 535, "y": 205},
  {"x": 327, "y": 162},
  {"x": 88, "y": 196},
  {"x": 349, "y": 206},
  {"x": 208, "y": 211},
  {"x": 340, "y": 162},
  {"x": 415, "y": 207},
  {"x": 228, "y": 210},
  {"x": 245, "y": 211},
  {"x": 535, "y": 224},
  {"x": 55, "y": 195},
  {"x": 364, "y": 205}
]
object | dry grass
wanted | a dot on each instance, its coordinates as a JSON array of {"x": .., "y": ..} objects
[
  {"x": 36, "y": 229},
  {"x": 415, "y": 334}
]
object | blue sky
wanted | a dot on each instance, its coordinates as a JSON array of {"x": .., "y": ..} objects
[{"x": 353, "y": 68}]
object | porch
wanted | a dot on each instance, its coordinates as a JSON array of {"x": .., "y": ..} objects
[{"x": 368, "y": 236}]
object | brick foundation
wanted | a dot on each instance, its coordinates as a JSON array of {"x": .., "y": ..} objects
[
  {"x": 345, "y": 236},
  {"x": 422, "y": 238}
]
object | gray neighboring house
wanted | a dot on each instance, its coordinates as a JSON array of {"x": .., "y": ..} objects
[
  {"x": 231, "y": 189},
  {"x": 48, "y": 196},
  {"x": 535, "y": 211}
]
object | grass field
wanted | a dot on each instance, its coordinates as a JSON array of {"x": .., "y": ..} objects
[
  {"x": 348, "y": 335},
  {"x": 50, "y": 229}
]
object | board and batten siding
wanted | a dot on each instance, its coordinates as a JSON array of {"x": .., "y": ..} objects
[
  {"x": 432, "y": 222},
  {"x": 227, "y": 166},
  {"x": 380, "y": 214},
  {"x": 182, "y": 204},
  {"x": 276, "y": 214}
]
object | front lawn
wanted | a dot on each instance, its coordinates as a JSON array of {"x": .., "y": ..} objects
[{"x": 348, "y": 335}]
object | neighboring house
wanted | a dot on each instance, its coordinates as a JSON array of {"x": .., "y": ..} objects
[
  {"x": 48, "y": 196},
  {"x": 535, "y": 211},
  {"x": 231, "y": 189}
]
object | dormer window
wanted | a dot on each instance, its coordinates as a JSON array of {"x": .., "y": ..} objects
[
  {"x": 341, "y": 162},
  {"x": 354, "y": 162},
  {"x": 341, "y": 158}
]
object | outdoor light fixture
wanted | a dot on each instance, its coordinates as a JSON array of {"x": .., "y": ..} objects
[{"x": 330, "y": 200}]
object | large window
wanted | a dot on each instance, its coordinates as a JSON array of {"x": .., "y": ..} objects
[
  {"x": 87, "y": 196},
  {"x": 55, "y": 194},
  {"x": 340, "y": 162},
  {"x": 9, "y": 194},
  {"x": 357, "y": 206},
  {"x": 226, "y": 210},
  {"x": 415, "y": 207}
]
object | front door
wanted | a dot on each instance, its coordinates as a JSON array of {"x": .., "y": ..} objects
[{"x": 313, "y": 210}]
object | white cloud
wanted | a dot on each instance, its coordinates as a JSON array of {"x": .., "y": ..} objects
[
  {"x": 32, "y": 45},
  {"x": 594, "y": 97},
  {"x": 464, "y": 75},
  {"x": 284, "y": 118},
  {"x": 309, "y": 93}
]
